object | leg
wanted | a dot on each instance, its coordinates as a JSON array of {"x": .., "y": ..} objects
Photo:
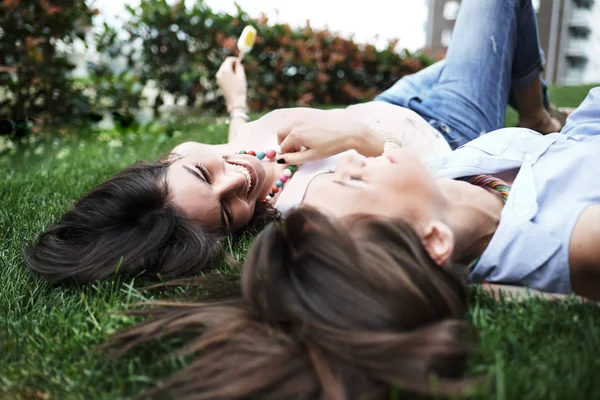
[
  {"x": 412, "y": 86},
  {"x": 481, "y": 68},
  {"x": 532, "y": 111}
]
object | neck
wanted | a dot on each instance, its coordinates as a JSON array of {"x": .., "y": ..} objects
[{"x": 473, "y": 215}]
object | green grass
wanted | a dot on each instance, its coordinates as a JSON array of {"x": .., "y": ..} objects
[{"x": 49, "y": 336}]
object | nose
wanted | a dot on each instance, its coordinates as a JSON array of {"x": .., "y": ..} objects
[
  {"x": 230, "y": 184},
  {"x": 350, "y": 164}
]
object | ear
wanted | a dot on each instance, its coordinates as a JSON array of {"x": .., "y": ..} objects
[{"x": 438, "y": 240}]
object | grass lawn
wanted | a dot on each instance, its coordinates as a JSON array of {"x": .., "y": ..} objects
[{"x": 48, "y": 336}]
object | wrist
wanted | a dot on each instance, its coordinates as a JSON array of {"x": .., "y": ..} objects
[
  {"x": 237, "y": 103},
  {"x": 357, "y": 135},
  {"x": 371, "y": 141}
]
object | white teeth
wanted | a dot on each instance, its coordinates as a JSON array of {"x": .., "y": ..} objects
[{"x": 244, "y": 171}]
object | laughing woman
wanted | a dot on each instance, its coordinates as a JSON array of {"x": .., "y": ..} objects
[{"x": 168, "y": 216}]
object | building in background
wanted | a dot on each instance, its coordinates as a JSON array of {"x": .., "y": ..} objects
[{"x": 568, "y": 35}]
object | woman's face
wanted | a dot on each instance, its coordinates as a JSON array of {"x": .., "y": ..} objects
[
  {"x": 393, "y": 186},
  {"x": 215, "y": 188}
]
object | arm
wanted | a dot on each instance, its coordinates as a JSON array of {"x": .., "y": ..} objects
[
  {"x": 238, "y": 116},
  {"x": 586, "y": 115},
  {"x": 231, "y": 79},
  {"x": 327, "y": 132},
  {"x": 361, "y": 127},
  {"x": 584, "y": 254}
]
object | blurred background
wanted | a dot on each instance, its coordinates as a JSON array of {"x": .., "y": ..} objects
[{"x": 128, "y": 62}]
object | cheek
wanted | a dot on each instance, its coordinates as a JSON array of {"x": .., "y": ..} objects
[
  {"x": 339, "y": 204},
  {"x": 242, "y": 213}
]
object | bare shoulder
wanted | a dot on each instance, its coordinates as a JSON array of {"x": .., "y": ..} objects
[
  {"x": 185, "y": 148},
  {"x": 288, "y": 114},
  {"x": 584, "y": 253}
]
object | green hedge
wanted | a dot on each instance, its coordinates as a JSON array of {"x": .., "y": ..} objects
[
  {"x": 179, "y": 49},
  {"x": 34, "y": 74},
  {"x": 183, "y": 48}
]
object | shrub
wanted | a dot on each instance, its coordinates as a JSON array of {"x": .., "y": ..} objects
[
  {"x": 182, "y": 48},
  {"x": 114, "y": 82},
  {"x": 34, "y": 72},
  {"x": 179, "y": 50}
]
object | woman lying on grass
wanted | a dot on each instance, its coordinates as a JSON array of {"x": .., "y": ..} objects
[
  {"x": 168, "y": 216},
  {"x": 339, "y": 304},
  {"x": 518, "y": 207},
  {"x": 344, "y": 309}
]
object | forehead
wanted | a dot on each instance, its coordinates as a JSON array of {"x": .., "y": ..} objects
[{"x": 192, "y": 196}]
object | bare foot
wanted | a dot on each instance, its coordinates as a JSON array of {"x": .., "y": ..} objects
[{"x": 543, "y": 123}]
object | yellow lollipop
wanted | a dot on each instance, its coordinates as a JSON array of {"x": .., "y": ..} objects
[{"x": 246, "y": 41}]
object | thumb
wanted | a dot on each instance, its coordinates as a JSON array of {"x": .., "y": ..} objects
[{"x": 299, "y": 157}]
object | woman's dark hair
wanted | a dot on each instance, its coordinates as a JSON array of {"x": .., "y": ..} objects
[
  {"x": 126, "y": 225},
  {"x": 327, "y": 311}
]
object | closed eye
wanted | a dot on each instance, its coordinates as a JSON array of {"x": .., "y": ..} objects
[
  {"x": 352, "y": 182},
  {"x": 204, "y": 172},
  {"x": 226, "y": 217}
]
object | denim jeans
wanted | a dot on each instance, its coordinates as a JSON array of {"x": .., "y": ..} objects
[{"x": 494, "y": 50}]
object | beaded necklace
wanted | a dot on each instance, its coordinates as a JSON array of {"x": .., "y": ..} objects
[
  {"x": 490, "y": 182},
  {"x": 270, "y": 155}
]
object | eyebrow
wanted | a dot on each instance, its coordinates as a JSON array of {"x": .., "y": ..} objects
[{"x": 199, "y": 176}]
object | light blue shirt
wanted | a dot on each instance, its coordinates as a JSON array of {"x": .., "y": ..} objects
[{"x": 559, "y": 176}]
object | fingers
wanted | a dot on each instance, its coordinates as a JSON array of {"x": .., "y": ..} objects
[
  {"x": 228, "y": 65},
  {"x": 300, "y": 157},
  {"x": 289, "y": 141},
  {"x": 292, "y": 147},
  {"x": 283, "y": 132},
  {"x": 229, "y": 62},
  {"x": 239, "y": 67}
]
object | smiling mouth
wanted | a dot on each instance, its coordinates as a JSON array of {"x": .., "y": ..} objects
[{"x": 248, "y": 173}]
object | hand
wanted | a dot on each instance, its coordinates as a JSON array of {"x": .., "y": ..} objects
[
  {"x": 231, "y": 78},
  {"x": 324, "y": 134}
]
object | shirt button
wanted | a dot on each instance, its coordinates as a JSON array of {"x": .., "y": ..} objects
[{"x": 528, "y": 157}]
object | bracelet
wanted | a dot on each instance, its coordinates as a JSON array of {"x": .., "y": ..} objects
[
  {"x": 241, "y": 108},
  {"x": 238, "y": 113}
]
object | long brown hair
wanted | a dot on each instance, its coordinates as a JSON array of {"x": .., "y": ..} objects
[
  {"x": 328, "y": 310},
  {"x": 127, "y": 225}
]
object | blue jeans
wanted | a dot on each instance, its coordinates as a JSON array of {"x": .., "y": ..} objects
[{"x": 494, "y": 50}]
